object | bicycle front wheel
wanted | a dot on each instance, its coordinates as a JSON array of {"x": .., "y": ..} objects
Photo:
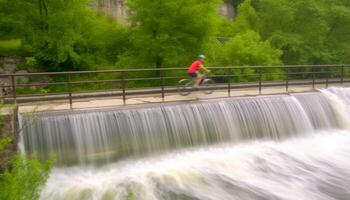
[
  {"x": 208, "y": 86},
  {"x": 184, "y": 87}
]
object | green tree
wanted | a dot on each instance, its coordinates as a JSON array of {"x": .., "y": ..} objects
[
  {"x": 105, "y": 41},
  {"x": 338, "y": 37},
  {"x": 245, "y": 49},
  {"x": 7, "y": 25},
  {"x": 65, "y": 34},
  {"x": 167, "y": 32},
  {"x": 305, "y": 30},
  {"x": 249, "y": 49},
  {"x": 55, "y": 32}
]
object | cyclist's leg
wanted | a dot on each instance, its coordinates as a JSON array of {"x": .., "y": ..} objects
[
  {"x": 199, "y": 80},
  {"x": 194, "y": 77}
]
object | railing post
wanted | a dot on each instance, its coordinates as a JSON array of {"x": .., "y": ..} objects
[
  {"x": 260, "y": 77},
  {"x": 162, "y": 84},
  {"x": 123, "y": 87},
  {"x": 313, "y": 77},
  {"x": 229, "y": 82},
  {"x": 70, "y": 92},
  {"x": 2, "y": 94},
  {"x": 13, "y": 84},
  {"x": 287, "y": 80},
  {"x": 342, "y": 75},
  {"x": 327, "y": 78}
]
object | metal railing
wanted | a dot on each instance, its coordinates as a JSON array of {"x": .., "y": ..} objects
[{"x": 126, "y": 82}]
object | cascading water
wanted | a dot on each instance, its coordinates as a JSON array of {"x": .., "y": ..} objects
[
  {"x": 274, "y": 147},
  {"x": 108, "y": 135},
  {"x": 312, "y": 168}
]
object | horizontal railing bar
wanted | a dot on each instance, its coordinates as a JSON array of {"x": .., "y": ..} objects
[
  {"x": 128, "y": 79},
  {"x": 118, "y": 92},
  {"x": 41, "y": 95},
  {"x": 39, "y": 84},
  {"x": 97, "y": 81},
  {"x": 157, "y": 78},
  {"x": 166, "y": 69},
  {"x": 164, "y": 78}
]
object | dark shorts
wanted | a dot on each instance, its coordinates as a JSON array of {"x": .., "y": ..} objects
[{"x": 193, "y": 75}]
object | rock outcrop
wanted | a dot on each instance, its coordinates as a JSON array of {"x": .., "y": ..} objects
[{"x": 118, "y": 9}]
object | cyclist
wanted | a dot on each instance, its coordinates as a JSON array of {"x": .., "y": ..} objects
[{"x": 192, "y": 70}]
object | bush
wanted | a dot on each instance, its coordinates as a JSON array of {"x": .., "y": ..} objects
[{"x": 24, "y": 179}]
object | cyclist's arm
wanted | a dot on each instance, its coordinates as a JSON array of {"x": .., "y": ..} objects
[{"x": 205, "y": 69}]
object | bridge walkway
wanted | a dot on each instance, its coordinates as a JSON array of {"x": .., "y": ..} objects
[{"x": 117, "y": 101}]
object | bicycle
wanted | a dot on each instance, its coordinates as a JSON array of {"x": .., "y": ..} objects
[{"x": 186, "y": 86}]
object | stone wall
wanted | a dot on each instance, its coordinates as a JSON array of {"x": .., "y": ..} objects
[
  {"x": 8, "y": 127},
  {"x": 117, "y": 9},
  {"x": 228, "y": 10},
  {"x": 8, "y": 65},
  {"x": 18, "y": 65},
  {"x": 113, "y": 8}
]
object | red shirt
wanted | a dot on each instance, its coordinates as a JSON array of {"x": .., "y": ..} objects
[{"x": 194, "y": 67}]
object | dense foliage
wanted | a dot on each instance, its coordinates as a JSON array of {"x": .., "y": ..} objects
[
  {"x": 69, "y": 35},
  {"x": 307, "y": 31},
  {"x": 24, "y": 177},
  {"x": 24, "y": 180},
  {"x": 64, "y": 35},
  {"x": 167, "y": 32}
]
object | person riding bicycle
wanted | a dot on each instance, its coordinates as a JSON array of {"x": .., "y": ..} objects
[{"x": 192, "y": 70}]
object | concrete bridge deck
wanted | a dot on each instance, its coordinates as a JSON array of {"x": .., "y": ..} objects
[{"x": 100, "y": 102}]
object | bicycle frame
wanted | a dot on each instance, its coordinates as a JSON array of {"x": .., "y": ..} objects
[{"x": 186, "y": 85}]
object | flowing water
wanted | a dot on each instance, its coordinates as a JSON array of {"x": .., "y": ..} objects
[{"x": 273, "y": 147}]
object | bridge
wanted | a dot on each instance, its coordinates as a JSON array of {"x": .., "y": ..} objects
[{"x": 91, "y": 89}]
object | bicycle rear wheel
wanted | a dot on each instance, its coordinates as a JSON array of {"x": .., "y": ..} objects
[
  {"x": 208, "y": 86},
  {"x": 184, "y": 87}
]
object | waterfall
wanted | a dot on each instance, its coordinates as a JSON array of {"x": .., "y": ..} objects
[
  {"x": 286, "y": 147},
  {"x": 104, "y": 136}
]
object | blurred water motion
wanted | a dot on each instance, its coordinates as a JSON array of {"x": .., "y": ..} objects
[{"x": 293, "y": 147}]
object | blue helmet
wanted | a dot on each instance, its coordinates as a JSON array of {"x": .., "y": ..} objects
[{"x": 201, "y": 56}]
